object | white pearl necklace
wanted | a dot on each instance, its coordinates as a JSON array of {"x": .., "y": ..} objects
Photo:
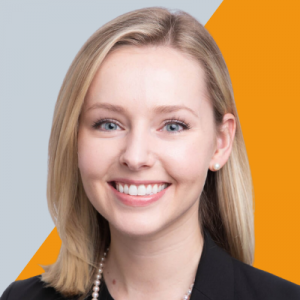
[{"x": 97, "y": 282}]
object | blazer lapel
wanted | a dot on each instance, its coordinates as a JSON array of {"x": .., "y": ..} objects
[{"x": 214, "y": 278}]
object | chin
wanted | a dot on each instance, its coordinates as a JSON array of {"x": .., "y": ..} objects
[{"x": 137, "y": 226}]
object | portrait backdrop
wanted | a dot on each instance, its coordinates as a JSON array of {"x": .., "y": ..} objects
[{"x": 39, "y": 39}]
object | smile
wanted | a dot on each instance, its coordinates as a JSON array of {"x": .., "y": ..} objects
[
  {"x": 139, "y": 190},
  {"x": 138, "y": 195}
]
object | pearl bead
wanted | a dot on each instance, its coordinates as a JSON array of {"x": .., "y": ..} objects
[
  {"x": 95, "y": 295},
  {"x": 96, "y": 288},
  {"x": 101, "y": 265},
  {"x": 97, "y": 282},
  {"x": 98, "y": 276},
  {"x": 100, "y": 271},
  {"x": 217, "y": 166}
]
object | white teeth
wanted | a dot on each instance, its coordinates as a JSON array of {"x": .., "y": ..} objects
[
  {"x": 140, "y": 190},
  {"x": 149, "y": 190},
  {"x": 133, "y": 190},
  {"x": 126, "y": 189}
]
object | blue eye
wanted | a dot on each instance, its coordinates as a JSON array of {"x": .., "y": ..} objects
[
  {"x": 176, "y": 123},
  {"x": 108, "y": 125},
  {"x": 173, "y": 126},
  {"x": 112, "y": 125}
]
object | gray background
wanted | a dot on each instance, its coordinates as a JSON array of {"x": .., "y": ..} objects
[{"x": 38, "y": 41}]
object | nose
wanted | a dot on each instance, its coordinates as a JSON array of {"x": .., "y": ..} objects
[{"x": 137, "y": 153}]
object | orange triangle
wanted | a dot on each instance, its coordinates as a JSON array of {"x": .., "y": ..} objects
[
  {"x": 260, "y": 43},
  {"x": 46, "y": 255}
]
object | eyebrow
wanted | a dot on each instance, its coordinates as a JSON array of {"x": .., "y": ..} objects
[{"x": 158, "y": 109}]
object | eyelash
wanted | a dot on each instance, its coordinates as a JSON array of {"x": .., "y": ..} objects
[{"x": 176, "y": 120}]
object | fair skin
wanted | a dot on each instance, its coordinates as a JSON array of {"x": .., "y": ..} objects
[{"x": 155, "y": 249}]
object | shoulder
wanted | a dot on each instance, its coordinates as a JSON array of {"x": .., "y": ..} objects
[
  {"x": 30, "y": 289},
  {"x": 258, "y": 284}
]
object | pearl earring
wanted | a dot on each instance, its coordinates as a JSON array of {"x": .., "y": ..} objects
[{"x": 216, "y": 166}]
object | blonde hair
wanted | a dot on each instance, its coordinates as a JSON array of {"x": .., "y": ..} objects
[{"x": 226, "y": 201}]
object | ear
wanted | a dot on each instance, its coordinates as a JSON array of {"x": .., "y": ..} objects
[{"x": 225, "y": 137}]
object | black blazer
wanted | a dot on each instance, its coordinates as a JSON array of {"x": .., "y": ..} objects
[{"x": 219, "y": 277}]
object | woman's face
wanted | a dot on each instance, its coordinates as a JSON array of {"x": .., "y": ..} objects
[{"x": 159, "y": 128}]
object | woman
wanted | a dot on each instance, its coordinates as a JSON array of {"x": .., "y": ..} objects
[{"x": 149, "y": 183}]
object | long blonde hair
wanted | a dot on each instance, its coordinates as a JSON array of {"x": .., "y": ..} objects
[{"x": 226, "y": 201}]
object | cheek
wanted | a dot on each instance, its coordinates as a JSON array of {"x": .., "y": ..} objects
[
  {"x": 188, "y": 161},
  {"x": 94, "y": 156}
]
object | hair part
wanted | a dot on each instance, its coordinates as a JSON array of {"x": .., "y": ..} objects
[{"x": 226, "y": 201}]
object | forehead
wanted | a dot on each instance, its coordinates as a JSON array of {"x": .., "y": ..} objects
[{"x": 147, "y": 76}]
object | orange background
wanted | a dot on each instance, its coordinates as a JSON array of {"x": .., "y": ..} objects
[{"x": 260, "y": 44}]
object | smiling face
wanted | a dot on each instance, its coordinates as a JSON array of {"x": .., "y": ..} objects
[{"x": 157, "y": 126}]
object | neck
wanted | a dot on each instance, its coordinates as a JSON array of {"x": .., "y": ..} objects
[{"x": 162, "y": 265}]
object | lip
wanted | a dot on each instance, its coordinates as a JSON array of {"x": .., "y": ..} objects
[
  {"x": 137, "y": 182},
  {"x": 137, "y": 201}
]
